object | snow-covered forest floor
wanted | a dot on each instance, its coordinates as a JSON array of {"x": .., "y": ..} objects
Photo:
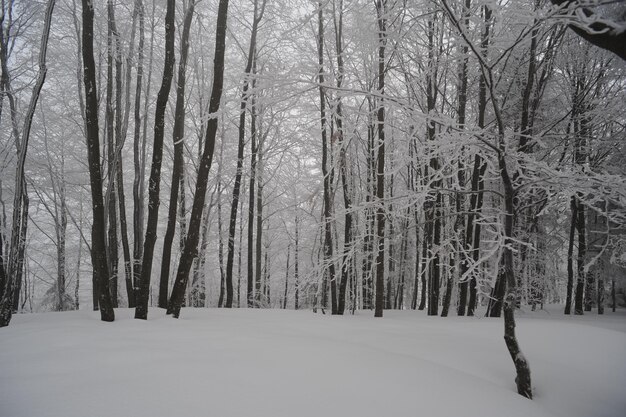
[{"x": 284, "y": 363}]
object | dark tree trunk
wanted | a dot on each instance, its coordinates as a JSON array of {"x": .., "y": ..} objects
[
  {"x": 138, "y": 206},
  {"x": 253, "y": 152},
  {"x": 286, "y": 277},
  {"x": 582, "y": 254},
  {"x": 521, "y": 365},
  {"x": 178, "y": 136},
  {"x": 348, "y": 221},
  {"x": 296, "y": 282},
  {"x": 328, "y": 262},
  {"x": 425, "y": 244},
  {"x": 191, "y": 244},
  {"x": 447, "y": 296},
  {"x": 98, "y": 245},
  {"x": 220, "y": 241},
  {"x": 416, "y": 272},
  {"x": 381, "y": 6},
  {"x": 570, "y": 256},
  {"x": 258, "y": 295},
  {"x": 111, "y": 197},
  {"x": 462, "y": 97},
  {"x": 239, "y": 262},
  {"x": 141, "y": 311}
]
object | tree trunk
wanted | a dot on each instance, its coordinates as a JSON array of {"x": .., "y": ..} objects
[
  {"x": 258, "y": 295},
  {"x": 582, "y": 254},
  {"x": 296, "y": 282},
  {"x": 138, "y": 206},
  {"x": 570, "y": 256},
  {"x": 178, "y": 137},
  {"x": 232, "y": 224},
  {"x": 253, "y": 154},
  {"x": 141, "y": 311},
  {"x": 348, "y": 221},
  {"x": 110, "y": 196},
  {"x": 462, "y": 98},
  {"x": 98, "y": 245},
  {"x": 191, "y": 244},
  {"x": 381, "y": 11},
  {"x": 328, "y": 262},
  {"x": 286, "y": 277}
]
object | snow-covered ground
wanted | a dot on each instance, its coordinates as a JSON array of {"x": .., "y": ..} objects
[{"x": 269, "y": 363}]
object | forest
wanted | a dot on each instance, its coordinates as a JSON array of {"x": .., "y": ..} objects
[{"x": 346, "y": 157}]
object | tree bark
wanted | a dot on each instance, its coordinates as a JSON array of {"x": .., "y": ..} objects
[
  {"x": 98, "y": 245},
  {"x": 141, "y": 311},
  {"x": 286, "y": 277},
  {"x": 138, "y": 206},
  {"x": 191, "y": 244},
  {"x": 381, "y": 11},
  {"x": 570, "y": 256},
  {"x": 111, "y": 193},
  {"x": 178, "y": 137},
  {"x": 253, "y": 154}
]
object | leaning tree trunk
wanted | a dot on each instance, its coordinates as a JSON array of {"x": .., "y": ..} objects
[
  {"x": 521, "y": 365},
  {"x": 177, "y": 171},
  {"x": 141, "y": 311},
  {"x": 191, "y": 244},
  {"x": 20, "y": 201}
]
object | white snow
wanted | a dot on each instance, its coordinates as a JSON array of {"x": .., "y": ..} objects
[{"x": 269, "y": 363}]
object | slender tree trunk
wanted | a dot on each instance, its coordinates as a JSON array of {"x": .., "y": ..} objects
[
  {"x": 348, "y": 217},
  {"x": 432, "y": 208},
  {"x": 191, "y": 244},
  {"x": 178, "y": 137},
  {"x": 582, "y": 254},
  {"x": 239, "y": 261},
  {"x": 253, "y": 155},
  {"x": 296, "y": 282},
  {"x": 462, "y": 97},
  {"x": 521, "y": 365},
  {"x": 570, "y": 256},
  {"x": 381, "y": 10},
  {"x": 98, "y": 245},
  {"x": 141, "y": 311},
  {"x": 613, "y": 297},
  {"x": 286, "y": 277},
  {"x": 138, "y": 206},
  {"x": 232, "y": 224},
  {"x": 258, "y": 294},
  {"x": 111, "y": 197},
  {"x": 328, "y": 262},
  {"x": 220, "y": 241},
  {"x": 220, "y": 244},
  {"x": 121, "y": 123},
  {"x": 12, "y": 281}
]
